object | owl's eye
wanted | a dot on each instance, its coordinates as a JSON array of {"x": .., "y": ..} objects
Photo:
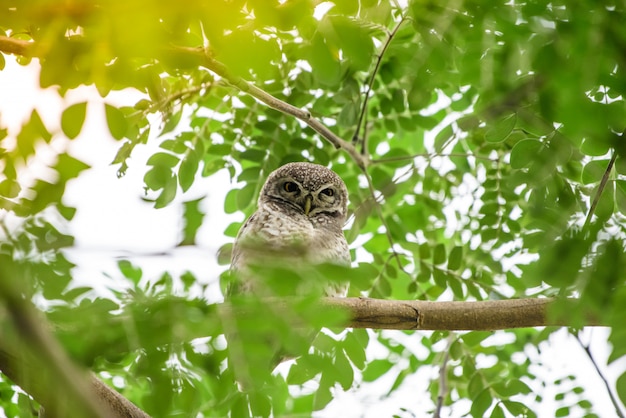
[
  {"x": 328, "y": 192},
  {"x": 291, "y": 187}
]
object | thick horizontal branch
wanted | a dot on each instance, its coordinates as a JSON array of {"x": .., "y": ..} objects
[{"x": 425, "y": 315}]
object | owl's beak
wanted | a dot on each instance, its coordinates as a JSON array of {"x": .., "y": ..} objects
[{"x": 308, "y": 200}]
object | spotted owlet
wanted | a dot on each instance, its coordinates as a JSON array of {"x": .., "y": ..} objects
[{"x": 301, "y": 211}]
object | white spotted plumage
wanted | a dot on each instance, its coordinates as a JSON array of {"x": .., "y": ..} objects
[{"x": 301, "y": 211}]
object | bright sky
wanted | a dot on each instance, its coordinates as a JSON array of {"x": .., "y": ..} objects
[{"x": 112, "y": 222}]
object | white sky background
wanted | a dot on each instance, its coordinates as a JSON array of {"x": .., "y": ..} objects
[{"x": 112, "y": 222}]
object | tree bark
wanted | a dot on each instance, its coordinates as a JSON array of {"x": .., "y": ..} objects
[
  {"x": 434, "y": 316},
  {"x": 451, "y": 316}
]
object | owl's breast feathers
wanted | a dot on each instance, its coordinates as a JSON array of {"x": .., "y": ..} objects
[{"x": 272, "y": 233}]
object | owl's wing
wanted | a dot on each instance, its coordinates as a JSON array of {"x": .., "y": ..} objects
[{"x": 244, "y": 232}]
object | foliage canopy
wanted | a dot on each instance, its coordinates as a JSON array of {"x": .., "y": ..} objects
[{"x": 491, "y": 166}]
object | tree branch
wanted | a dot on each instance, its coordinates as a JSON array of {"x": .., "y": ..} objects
[
  {"x": 390, "y": 37},
  {"x": 202, "y": 57},
  {"x": 443, "y": 316},
  {"x": 34, "y": 360},
  {"x": 16, "y": 46},
  {"x": 207, "y": 61}
]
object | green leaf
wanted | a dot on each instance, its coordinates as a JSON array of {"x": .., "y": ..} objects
[
  {"x": 481, "y": 403},
  {"x": 497, "y": 412},
  {"x": 516, "y": 408},
  {"x": 476, "y": 385},
  {"x": 72, "y": 119},
  {"x": 168, "y": 193},
  {"x": 118, "y": 126},
  {"x": 192, "y": 218},
  {"x": 157, "y": 177},
  {"x": 563, "y": 411},
  {"x": 345, "y": 374},
  {"x": 375, "y": 369},
  {"x": 260, "y": 404},
  {"x": 502, "y": 129},
  {"x": 354, "y": 40},
  {"x": 525, "y": 153},
  {"x": 130, "y": 271},
  {"x": 455, "y": 258},
  {"x": 620, "y": 195},
  {"x": 9, "y": 188},
  {"x": 595, "y": 147},
  {"x": 171, "y": 122},
  {"x": 594, "y": 170},
  {"x": 443, "y": 138},
  {"x": 176, "y": 146},
  {"x": 69, "y": 167},
  {"x": 325, "y": 63},
  {"x": 163, "y": 159},
  {"x": 187, "y": 170},
  {"x": 354, "y": 350},
  {"x": 32, "y": 131},
  {"x": 230, "y": 202},
  {"x": 440, "y": 254},
  {"x": 620, "y": 386},
  {"x": 245, "y": 196}
]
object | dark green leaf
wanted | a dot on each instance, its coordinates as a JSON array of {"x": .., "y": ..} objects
[
  {"x": 525, "y": 153},
  {"x": 502, "y": 129},
  {"x": 594, "y": 170},
  {"x": 440, "y": 254},
  {"x": 620, "y": 386},
  {"x": 455, "y": 258}
]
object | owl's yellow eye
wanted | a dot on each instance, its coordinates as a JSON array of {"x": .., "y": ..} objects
[
  {"x": 328, "y": 192},
  {"x": 291, "y": 187}
]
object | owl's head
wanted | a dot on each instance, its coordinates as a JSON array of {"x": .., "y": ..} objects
[{"x": 308, "y": 188}]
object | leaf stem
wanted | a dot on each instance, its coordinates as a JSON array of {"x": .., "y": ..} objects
[
  {"x": 206, "y": 60},
  {"x": 605, "y": 179},
  {"x": 612, "y": 396},
  {"x": 370, "y": 84},
  {"x": 443, "y": 384}
]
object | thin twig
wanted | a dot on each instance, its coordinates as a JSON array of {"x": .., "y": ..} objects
[
  {"x": 605, "y": 179},
  {"x": 370, "y": 84},
  {"x": 609, "y": 390},
  {"x": 206, "y": 60},
  {"x": 443, "y": 383}
]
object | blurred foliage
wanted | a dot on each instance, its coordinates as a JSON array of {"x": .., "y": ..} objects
[{"x": 488, "y": 128}]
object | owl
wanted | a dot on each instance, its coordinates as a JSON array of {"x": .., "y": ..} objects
[{"x": 301, "y": 212}]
